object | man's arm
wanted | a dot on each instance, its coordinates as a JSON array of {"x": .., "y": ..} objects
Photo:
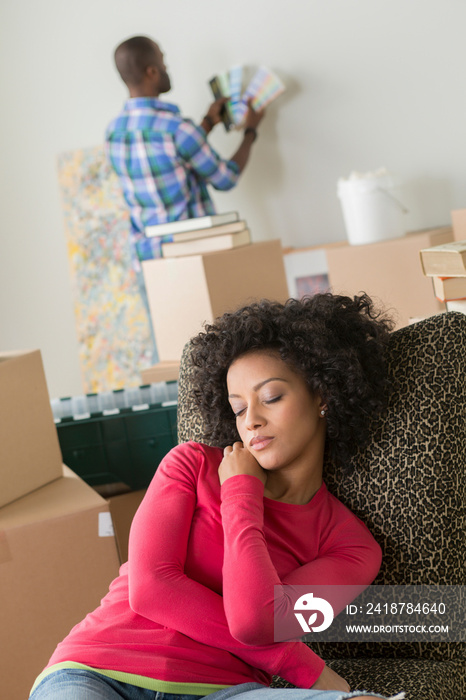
[
  {"x": 214, "y": 114},
  {"x": 253, "y": 118},
  {"x": 251, "y": 123}
]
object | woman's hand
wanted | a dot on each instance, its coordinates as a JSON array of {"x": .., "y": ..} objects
[
  {"x": 238, "y": 460},
  {"x": 329, "y": 680}
]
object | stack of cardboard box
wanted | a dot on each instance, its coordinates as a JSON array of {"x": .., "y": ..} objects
[
  {"x": 185, "y": 292},
  {"x": 57, "y": 547}
]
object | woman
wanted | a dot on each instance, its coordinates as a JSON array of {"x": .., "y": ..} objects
[{"x": 220, "y": 528}]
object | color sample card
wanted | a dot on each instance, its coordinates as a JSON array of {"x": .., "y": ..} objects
[
  {"x": 236, "y": 88},
  {"x": 264, "y": 87}
]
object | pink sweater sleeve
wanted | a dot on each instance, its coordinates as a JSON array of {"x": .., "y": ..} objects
[
  {"x": 160, "y": 590},
  {"x": 252, "y": 589}
]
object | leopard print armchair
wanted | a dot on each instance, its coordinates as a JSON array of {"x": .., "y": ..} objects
[{"x": 408, "y": 487}]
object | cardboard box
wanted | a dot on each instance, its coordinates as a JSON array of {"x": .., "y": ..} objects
[
  {"x": 161, "y": 372},
  {"x": 57, "y": 558},
  {"x": 123, "y": 509},
  {"x": 30, "y": 455},
  {"x": 390, "y": 272},
  {"x": 186, "y": 292},
  {"x": 458, "y": 219}
]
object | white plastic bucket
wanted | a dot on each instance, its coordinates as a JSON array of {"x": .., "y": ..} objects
[{"x": 372, "y": 209}]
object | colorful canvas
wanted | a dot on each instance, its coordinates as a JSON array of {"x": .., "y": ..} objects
[
  {"x": 306, "y": 272},
  {"x": 313, "y": 284},
  {"x": 113, "y": 329}
]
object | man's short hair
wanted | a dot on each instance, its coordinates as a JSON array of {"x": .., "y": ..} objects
[{"x": 132, "y": 57}]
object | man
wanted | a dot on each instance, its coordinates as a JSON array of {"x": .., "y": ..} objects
[{"x": 164, "y": 161}]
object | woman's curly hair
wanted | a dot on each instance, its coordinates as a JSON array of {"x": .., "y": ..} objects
[{"x": 335, "y": 342}]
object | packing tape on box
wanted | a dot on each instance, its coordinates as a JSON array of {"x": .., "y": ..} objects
[{"x": 5, "y": 552}]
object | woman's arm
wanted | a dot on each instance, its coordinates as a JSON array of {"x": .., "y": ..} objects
[
  {"x": 252, "y": 588},
  {"x": 160, "y": 590}
]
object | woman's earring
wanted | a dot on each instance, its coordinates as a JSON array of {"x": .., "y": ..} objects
[{"x": 323, "y": 412}]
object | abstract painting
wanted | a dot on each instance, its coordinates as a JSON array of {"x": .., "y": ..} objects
[{"x": 112, "y": 326}]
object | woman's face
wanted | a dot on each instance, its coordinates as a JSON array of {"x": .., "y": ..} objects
[{"x": 277, "y": 417}]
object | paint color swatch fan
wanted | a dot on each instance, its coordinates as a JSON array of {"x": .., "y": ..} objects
[{"x": 262, "y": 89}]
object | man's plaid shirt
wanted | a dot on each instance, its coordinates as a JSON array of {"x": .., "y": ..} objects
[{"x": 164, "y": 163}]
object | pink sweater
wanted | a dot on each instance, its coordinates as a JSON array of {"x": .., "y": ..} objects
[{"x": 194, "y": 603}]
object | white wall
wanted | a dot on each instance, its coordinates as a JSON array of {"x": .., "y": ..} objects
[{"x": 370, "y": 83}]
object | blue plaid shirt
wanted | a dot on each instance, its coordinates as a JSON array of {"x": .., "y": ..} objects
[{"x": 164, "y": 163}]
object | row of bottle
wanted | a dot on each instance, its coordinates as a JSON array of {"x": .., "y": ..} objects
[{"x": 110, "y": 402}]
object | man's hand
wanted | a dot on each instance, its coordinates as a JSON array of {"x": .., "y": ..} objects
[
  {"x": 252, "y": 117},
  {"x": 214, "y": 113},
  {"x": 329, "y": 680},
  {"x": 250, "y": 125},
  {"x": 238, "y": 460}
]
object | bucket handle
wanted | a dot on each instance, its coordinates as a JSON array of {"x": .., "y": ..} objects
[{"x": 394, "y": 199}]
